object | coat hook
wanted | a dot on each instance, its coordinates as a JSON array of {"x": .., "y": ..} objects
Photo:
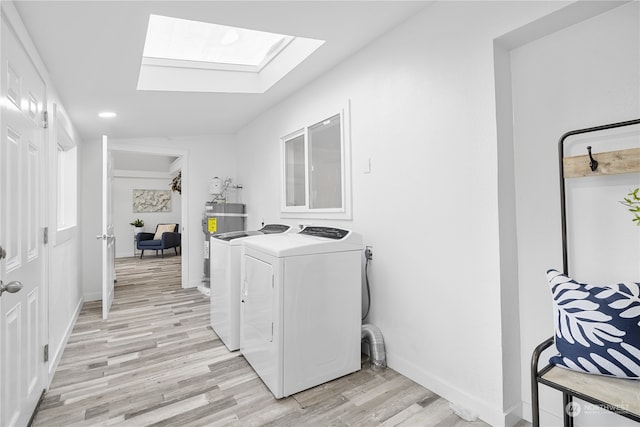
[{"x": 593, "y": 163}]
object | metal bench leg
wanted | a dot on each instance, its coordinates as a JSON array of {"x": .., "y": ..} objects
[
  {"x": 535, "y": 402},
  {"x": 567, "y": 400}
]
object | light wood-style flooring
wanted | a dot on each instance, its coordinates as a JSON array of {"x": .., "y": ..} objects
[{"x": 157, "y": 362}]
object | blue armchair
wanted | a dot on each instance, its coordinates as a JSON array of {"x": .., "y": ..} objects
[{"x": 165, "y": 237}]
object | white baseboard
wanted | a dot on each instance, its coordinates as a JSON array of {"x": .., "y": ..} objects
[
  {"x": 513, "y": 415},
  {"x": 460, "y": 398},
  {"x": 57, "y": 355},
  {"x": 94, "y": 296}
]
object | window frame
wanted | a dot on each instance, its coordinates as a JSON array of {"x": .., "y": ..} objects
[
  {"x": 66, "y": 205},
  {"x": 305, "y": 211},
  {"x": 289, "y": 138}
]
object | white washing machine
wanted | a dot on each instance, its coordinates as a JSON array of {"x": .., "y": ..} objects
[
  {"x": 226, "y": 252},
  {"x": 301, "y": 306}
]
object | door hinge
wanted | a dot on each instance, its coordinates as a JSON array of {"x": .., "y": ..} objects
[
  {"x": 46, "y": 352},
  {"x": 45, "y": 119},
  {"x": 45, "y": 237}
]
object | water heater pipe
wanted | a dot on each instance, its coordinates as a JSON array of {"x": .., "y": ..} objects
[{"x": 372, "y": 335}]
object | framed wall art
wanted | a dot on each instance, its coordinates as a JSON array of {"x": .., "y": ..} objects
[{"x": 151, "y": 201}]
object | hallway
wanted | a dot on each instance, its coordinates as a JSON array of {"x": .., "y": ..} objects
[{"x": 156, "y": 361}]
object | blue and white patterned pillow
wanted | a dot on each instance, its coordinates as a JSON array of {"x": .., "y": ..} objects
[{"x": 597, "y": 327}]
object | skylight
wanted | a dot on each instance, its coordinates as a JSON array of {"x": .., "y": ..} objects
[
  {"x": 191, "y": 56},
  {"x": 181, "y": 39}
]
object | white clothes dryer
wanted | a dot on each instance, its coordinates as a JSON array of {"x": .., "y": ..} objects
[
  {"x": 301, "y": 307},
  {"x": 226, "y": 252}
]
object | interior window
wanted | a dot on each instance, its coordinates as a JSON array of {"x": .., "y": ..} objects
[
  {"x": 325, "y": 159},
  {"x": 67, "y": 181},
  {"x": 295, "y": 171},
  {"x": 316, "y": 169}
]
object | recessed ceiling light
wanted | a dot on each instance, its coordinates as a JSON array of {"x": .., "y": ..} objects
[{"x": 107, "y": 114}]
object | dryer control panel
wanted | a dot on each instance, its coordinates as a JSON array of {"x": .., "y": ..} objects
[{"x": 328, "y": 232}]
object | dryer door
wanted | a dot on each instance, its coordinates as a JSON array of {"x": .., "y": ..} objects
[{"x": 258, "y": 343}]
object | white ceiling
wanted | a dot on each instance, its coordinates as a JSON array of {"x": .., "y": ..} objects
[{"x": 93, "y": 51}]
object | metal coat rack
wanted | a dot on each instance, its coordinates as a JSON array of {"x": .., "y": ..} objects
[{"x": 589, "y": 164}]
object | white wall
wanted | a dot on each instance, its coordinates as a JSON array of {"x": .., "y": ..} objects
[
  {"x": 65, "y": 295},
  {"x": 141, "y": 161},
  {"x": 206, "y": 157},
  {"x": 123, "y": 215},
  {"x": 65, "y": 289},
  {"x": 585, "y": 75},
  {"x": 423, "y": 111}
]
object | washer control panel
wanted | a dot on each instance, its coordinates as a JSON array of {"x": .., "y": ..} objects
[{"x": 274, "y": 228}]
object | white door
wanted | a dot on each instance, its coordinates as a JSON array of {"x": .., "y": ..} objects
[
  {"x": 107, "y": 237},
  {"x": 23, "y": 313}
]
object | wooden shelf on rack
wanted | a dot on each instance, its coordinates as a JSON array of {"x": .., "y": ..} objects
[{"x": 609, "y": 163}]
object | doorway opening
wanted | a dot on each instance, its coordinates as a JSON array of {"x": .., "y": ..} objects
[{"x": 140, "y": 174}]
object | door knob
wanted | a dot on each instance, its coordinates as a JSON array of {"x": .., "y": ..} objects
[
  {"x": 11, "y": 287},
  {"x": 3, "y": 253}
]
